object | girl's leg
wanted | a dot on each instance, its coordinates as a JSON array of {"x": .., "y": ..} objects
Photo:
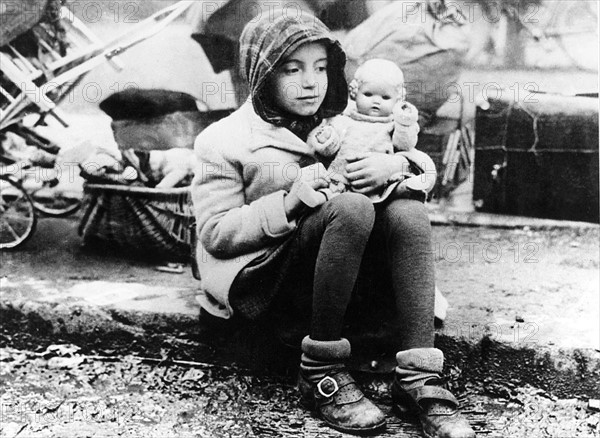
[
  {"x": 404, "y": 228},
  {"x": 334, "y": 238},
  {"x": 417, "y": 386}
]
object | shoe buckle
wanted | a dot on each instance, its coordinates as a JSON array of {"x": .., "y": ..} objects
[{"x": 327, "y": 379}]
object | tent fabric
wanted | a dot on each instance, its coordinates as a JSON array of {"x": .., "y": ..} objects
[{"x": 426, "y": 42}]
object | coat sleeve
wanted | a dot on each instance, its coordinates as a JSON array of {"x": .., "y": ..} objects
[{"x": 227, "y": 226}]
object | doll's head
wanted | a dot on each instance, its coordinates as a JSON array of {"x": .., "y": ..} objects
[{"x": 377, "y": 86}]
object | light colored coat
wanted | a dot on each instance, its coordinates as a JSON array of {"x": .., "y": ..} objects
[{"x": 245, "y": 168}]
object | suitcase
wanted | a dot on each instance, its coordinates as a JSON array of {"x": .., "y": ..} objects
[{"x": 538, "y": 157}]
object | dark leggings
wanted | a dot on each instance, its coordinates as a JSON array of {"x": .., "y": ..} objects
[{"x": 347, "y": 237}]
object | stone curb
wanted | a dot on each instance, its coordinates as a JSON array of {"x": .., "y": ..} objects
[
  {"x": 494, "y": 366},
  {"x": 490, "y": 220}
]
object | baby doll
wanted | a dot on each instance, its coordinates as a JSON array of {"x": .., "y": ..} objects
[{"x": 380, "y": 120}]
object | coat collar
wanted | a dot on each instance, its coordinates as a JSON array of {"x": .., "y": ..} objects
[{"x": 263, "y": 134}]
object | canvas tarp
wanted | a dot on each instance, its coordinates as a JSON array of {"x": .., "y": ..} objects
[{"x": 426, "y": 40}]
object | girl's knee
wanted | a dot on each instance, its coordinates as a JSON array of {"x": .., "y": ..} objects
[
  {"x": 352, "y": 209},
  {"x": 408, "y": 216},
  {"x": 352, "y": 205}
]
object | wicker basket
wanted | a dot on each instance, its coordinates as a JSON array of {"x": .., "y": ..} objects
[{"x": 139, "y": 220}]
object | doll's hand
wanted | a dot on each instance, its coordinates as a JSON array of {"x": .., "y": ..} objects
[
  {"x": 324, "y": 134},
  {"x": 405, "y": 113},
  {"x": 326, "y": 141}
]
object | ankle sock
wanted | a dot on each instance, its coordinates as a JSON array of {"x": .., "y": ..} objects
[
  {"x": 320, "y": 358},
  {"x": 418, "y": 365}
]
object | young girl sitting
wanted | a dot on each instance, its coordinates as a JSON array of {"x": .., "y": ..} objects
[
  {"x": 378, "y": 120},
  {"x": 261, "y": 251}
]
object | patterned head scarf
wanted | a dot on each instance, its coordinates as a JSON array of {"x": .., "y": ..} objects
[{"x": 264, "y": 45}]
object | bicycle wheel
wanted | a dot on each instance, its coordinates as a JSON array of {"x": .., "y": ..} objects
[
  {"x": 576, "y": 31},
  {"x": 17, "y": 215},
  {"x": 54, "y": 203}
]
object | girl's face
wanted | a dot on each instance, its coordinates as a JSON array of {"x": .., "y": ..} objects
[{"x": 300, "y": 82}]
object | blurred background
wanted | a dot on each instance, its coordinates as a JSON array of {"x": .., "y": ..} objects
[{"x": 554, "y": 41}]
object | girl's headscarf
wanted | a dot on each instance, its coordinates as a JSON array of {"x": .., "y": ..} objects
[{"x": 264, "y": 45}]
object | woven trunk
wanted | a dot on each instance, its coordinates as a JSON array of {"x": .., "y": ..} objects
[{"x": 538, "y": 157}]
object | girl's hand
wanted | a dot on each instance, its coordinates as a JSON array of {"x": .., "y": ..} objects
[
  {"x": 370, "y": 171},
  {"x": 314, "y": 177}
]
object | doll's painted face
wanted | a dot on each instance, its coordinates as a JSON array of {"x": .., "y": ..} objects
[
  {"x": 376, "y": 98},
  {"x": 300, "y": 82}
]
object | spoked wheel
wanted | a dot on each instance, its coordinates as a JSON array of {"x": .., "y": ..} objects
[
  {"x": 54, "y": 203},
  {"x": 17, "y": 215},
  {"x": 42, "y": 185}
]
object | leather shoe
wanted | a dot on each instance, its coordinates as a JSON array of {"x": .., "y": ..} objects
[
  {"x": 340, "y": 403},
  {"x": 436, "y": 408}
]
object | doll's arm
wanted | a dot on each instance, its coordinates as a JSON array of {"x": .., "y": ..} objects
[
  {"x": 406, "y": 128},
  {"x": 324, "y": 139}
]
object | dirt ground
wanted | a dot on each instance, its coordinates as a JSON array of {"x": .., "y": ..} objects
[
  {"x": 56, "y": 392},
  {"x": 538, "y": 277}
]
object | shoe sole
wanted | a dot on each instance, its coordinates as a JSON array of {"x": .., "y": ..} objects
[
  {"x": 410, "y": 416},
  {"x": 354, "y": 431},
  {"x": 366, "y": 431}
]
